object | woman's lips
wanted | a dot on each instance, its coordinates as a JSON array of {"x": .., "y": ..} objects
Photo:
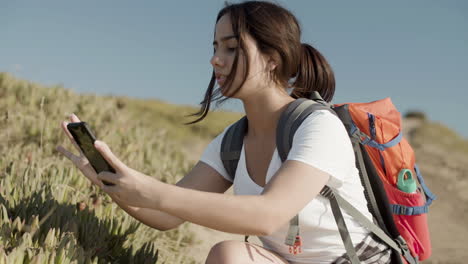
[{"x": 220, "y": 80}]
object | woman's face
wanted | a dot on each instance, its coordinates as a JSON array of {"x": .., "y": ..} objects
[{"x": 225, "y": 45}]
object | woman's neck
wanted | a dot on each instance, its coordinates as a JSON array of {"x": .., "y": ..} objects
[{"x": 263, "y": 112}]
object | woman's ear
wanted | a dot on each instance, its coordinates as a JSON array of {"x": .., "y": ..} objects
[{"x": 272, "y": 65}]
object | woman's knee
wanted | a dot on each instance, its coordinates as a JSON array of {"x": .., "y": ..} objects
[{"x": 224, "y": 252}]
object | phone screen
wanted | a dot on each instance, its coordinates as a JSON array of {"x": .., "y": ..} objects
[{"x": 85, "y": 140}]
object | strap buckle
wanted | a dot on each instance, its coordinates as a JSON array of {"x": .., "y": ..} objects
[
  {"x": 327, "y": 192},
  {"x": 405, "y": 251}
]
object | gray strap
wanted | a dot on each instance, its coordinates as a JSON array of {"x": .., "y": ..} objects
[
  {"x": 283, "y": 130},
  {"x": 231, "y": 146},
  {"x": 342, "y": 228},
  {"x": 309, "y": 110},
  {"x": 287, "y": 127},
  {"x": 232, "y": 155},
  {"x": 363, "y": 220},
  {"x": 293, "y": 231},
  {"x": 281, "y": 140},
  {"x": 226, "y": 146},
  {"x": 366, "y": 222},
  {"x": 288, "y": 123},
  {"x": 367, "y": 186}
]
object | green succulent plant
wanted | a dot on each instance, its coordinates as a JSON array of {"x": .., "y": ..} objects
[{"x": 49, "y": 212}]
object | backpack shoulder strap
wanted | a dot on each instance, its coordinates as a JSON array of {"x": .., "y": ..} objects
[
  {"x": 292, "y": 118},
  {"x": 231, "y": 146},
  {"x": 289, "y": 122}
]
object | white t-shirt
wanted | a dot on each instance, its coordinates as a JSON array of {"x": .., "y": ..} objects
[{"x": 322, "y": 142}]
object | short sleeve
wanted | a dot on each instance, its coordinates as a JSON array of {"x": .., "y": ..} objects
[
  {"x": 322, "y": 142},
  {"x": 212, "y": 157}
]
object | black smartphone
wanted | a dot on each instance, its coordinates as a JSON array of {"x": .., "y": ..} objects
[{"x": 85, "y": 140}]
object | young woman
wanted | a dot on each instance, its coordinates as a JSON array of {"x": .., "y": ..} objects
[{"x": 257, "y": 51}]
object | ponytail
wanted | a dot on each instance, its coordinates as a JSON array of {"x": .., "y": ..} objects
[{"x": 314, "y": 74}]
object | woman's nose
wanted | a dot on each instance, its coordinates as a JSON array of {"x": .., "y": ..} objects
[{"x": 216, "y": 61}]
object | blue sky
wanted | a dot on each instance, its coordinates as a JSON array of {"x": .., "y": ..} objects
[{"x": 415, "y": 52}]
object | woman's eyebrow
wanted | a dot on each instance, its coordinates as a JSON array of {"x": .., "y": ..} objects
[{"x": 225, "y": 38}]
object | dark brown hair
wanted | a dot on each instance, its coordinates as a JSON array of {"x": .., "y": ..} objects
[{"x": 277, "y": 33}]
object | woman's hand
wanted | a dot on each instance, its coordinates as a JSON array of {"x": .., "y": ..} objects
[
  {"x": 130, "y": 186},
  {"x": 81, "y": 162}
]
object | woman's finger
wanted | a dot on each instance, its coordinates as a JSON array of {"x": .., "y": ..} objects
[
  {"x": 80, "y": 162},
  {"x": 65, "y": 152},
  {"x": 74, "y": 118},
  {"x": 108, "y": 177},
  {"x": 64, "y": 124},
  {"x": 109, "y": 156}
]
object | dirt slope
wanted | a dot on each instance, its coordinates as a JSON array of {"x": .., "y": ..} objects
[{"x": 445, "y": 172}]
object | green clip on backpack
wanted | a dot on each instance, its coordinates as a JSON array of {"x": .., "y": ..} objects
[{"x": 398, "y": 221}]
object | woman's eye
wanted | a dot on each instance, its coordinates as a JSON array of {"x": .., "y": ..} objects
[{"x": 230, "y": 50}]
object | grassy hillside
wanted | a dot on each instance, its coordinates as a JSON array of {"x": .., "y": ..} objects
[{"x": 49, "y": 212}]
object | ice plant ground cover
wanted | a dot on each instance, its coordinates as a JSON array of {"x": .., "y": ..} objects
[{"x": 49, "y": 212}]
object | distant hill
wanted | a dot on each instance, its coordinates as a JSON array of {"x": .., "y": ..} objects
[
  {"x": 442, "y": 156},
  {"x": 44, "y": 199}
]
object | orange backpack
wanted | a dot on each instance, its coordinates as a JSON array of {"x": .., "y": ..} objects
[
  {"x": 391, "y": 164},
  {"x": 398, "y": 201}
]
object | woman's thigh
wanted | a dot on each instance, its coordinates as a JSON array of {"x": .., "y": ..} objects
[{"x": 239, "y": 252}]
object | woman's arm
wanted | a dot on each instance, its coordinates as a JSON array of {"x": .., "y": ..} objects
[
  {"x": 289, "y": 190},
  {"x": 202, "y": 177},
  {"x": 150, "y": 217},
  {"x": 237, "y": 214},
  {"x": 293, "y": 186}
]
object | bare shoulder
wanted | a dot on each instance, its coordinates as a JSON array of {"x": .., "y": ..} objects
[{"x": 204, "y": 178}]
